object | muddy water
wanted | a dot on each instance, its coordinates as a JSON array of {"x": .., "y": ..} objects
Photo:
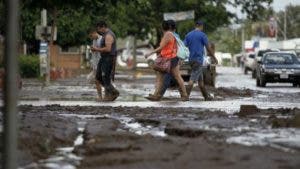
[{"x": 128, "y": 123}]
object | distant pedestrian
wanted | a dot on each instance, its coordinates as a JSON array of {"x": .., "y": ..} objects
[
  {"x": 196, "y": 40},
  {"x": 96, "y": 55},
  {"x": 106, "y": 65},
  {"x": 168, "y": 50}
]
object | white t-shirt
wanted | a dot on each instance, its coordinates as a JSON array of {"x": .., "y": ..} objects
[{"x": 96, "y": 55}]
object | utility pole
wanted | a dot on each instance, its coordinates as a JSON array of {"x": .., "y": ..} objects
[
  {"x": 43, "y": 33},
  {"x": 45, "y": 41},
  {"x": 10, "y": 111},
  {"x": 243, "y": 39},
  {"x": 284, "y": 28},
  {"x": 134, "y": 52}
]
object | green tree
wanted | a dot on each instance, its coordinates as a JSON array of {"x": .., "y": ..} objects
[
  {"x": 292, "y": 22},
  {"x": 61, "y": 14},
  {"x": 253, "y": 8},
  {"x": 136, "y": 17},
  {"x": 226, "y": 40}
]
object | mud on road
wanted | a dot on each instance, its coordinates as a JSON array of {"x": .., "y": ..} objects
[
  {"x": 133, "y": 137},
  {"x": 136, "y": 133}
]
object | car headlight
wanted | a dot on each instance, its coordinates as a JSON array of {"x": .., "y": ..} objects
[
  {"x": 270, "y": 70},
  {"x": 278, "y": 71}
]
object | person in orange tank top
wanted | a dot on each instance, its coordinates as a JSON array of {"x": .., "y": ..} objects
[{"x": 168, "y": 49}]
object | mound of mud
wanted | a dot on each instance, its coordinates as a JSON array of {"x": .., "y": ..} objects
[
  {"x": 278, "y": 118},
  {"x": 178, "y": 128},
  {"x": 232, "y": 92}
]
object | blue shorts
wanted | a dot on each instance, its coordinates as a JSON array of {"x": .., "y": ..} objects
[{"x": 197, "y": 72}]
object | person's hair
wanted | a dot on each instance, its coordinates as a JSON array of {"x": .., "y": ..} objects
[
  {"x": 199, "y": 23},
  {"x": 102, "y": 24},
  {"x": 172, "y": 24},
  {"x": 92, "y": 30},
  {"x": 165, "y": 25}
]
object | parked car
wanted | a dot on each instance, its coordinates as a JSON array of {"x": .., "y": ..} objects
[
  {"x": 209, "y": 71},
  {"x": 258, "y": 55},
  {"x": 249, "y": 62},
  {"x": 125, "y": 57},
  {"x": 278, "y": 67}
]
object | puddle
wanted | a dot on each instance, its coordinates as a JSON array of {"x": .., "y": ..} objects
[
  {"x": 139, "y": 129},
  {"x": 64, "y": 157},
  {"x": 129, "y": 124},
  {"x": 284, "y": 139}
]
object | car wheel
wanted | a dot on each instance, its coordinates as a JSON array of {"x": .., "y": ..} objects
[
  {"x": 263, "y": 82},
  {"x": 213, "y": 82},
  {"x": 257, "y": 82},
  {"x": 245, "y": 71},
  {"x": 254, "y": 74}
]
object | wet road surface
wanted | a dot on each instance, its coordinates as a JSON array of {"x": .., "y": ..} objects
[{"x": 233, "y": 89}]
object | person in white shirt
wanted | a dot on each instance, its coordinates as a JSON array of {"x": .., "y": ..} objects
[{"x": 95, "y": 59}]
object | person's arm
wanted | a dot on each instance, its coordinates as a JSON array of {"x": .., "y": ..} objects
[
  {"x": 211, "y": 53},
  {"x": 109, "y": 40},
  {"x": 165, "y": 40}
]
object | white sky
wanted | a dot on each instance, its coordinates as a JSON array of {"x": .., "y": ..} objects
[
  {"x": 280, "y": 4},
  {"x": 277, "y": 5}
]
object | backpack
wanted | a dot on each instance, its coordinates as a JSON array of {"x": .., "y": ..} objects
[{"x": 182, "y": 51}]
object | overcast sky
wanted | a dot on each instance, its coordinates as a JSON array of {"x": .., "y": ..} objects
[
  {"x": 280, "y": 4},
  {"x": 277, "y": 6}
]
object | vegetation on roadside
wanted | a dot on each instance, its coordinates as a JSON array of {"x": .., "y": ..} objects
[{"x": 29, "y": 66}]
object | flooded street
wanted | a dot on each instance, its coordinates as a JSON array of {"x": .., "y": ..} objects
[
  {"x": 233, "y": 89},
  {"x": 63, "y": 127}
]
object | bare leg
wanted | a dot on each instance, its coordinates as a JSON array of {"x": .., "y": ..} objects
[
  {"x": 158, "y": 87},
  {"x": 176, "y": 73},
  {"x": 203, "y": 90},
  {"x": 159, "y": 83},
  {"x": 99, "y": 90}
]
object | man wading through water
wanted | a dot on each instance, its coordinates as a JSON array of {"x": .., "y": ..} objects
[
  {"x": 196, "y": 40},
  {"x": 106, "y": 65}
]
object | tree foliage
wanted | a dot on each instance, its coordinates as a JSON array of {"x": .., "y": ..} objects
[
  {"x": 135, "y": 17},
  {"x": 292, "y": 22},
  {"x": 226, "y": 40},
  {"x": 253, "y": 8}
]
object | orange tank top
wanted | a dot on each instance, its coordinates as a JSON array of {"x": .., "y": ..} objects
[{"x": 170, "y": 50}]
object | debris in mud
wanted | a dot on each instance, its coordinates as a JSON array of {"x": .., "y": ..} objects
[{"x": 247, "y": 110}]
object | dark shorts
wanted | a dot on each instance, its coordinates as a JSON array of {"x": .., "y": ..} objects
[
  {"x": 174, "y": 62},
  {"x": 197, "y": 72},
  {"x": 105, "y": 70}
]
